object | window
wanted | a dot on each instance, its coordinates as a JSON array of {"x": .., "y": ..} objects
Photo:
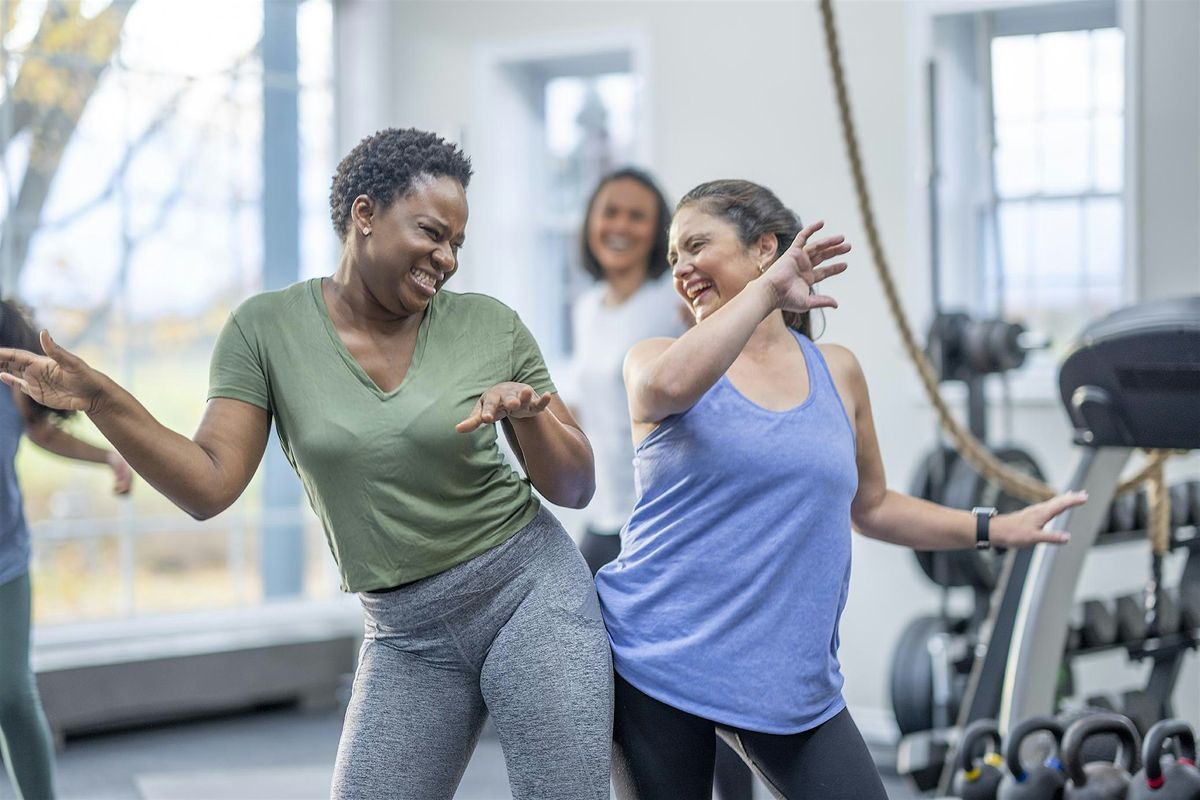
[
  {"x": 573, "y": 111},
  {"x": 1029, "y": 114},
  {"x": 133, "y": 200},
  {"x": 1058, "y": 104},
  {"x": 589, "y": 131}
]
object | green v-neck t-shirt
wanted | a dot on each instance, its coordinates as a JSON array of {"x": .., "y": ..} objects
[{"x": 400, "y": 493}]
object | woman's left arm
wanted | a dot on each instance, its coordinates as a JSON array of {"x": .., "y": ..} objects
[
  {"x": 42, "y": 431},
  {"x": 890, "y": 516},
  {"x": 545, "y": 438}
]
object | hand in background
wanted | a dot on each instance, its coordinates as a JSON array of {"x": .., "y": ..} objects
[{"x": 122, "y": 473}]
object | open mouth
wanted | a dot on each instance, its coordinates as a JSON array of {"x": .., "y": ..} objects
[
  {"x": 425, "y": 281},
  {"x": 697, "y": 291}
]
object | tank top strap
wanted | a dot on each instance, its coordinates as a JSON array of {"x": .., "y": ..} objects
[{"x": 818, "y": 369}]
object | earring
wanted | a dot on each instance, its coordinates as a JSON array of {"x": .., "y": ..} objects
[
  {"x": 366, "y": 231},
  {"x": 762, "y": 270}
]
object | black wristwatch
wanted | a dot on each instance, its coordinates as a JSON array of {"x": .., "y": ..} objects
[{"x": 983, "y": 516}]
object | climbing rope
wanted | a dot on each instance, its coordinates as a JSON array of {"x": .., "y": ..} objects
[{"x": 974, "y": 452}]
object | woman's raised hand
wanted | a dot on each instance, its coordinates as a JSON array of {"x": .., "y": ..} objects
[
  {"x": 509, "y": 399},
  {"x": 797, "y": 271},
  {"x": 59, "y": 379}
]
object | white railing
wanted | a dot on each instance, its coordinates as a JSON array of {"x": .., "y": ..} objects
[{"x": 236, "y": 525}]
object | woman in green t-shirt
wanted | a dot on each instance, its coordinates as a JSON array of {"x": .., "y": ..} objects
[{"x": 383, "y": 388}]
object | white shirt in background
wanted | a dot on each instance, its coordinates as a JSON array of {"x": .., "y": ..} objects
[{"x": 602, "y": 336}]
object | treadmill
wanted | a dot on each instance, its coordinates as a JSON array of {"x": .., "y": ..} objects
[{"x": 1132, "y": 380}]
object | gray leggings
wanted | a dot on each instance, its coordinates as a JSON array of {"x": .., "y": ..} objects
[
  {"x": 24, "y": 736},
  {"x": 515, "y": 632}
]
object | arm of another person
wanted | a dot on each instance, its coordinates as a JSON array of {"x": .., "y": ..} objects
[
  {"x": 45, "y": 433},
  {"x": 202, "y": 475},
  {"x": 890, "y": 516}
]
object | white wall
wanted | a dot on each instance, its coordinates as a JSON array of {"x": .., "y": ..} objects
[
  {"x": 1167, "y": 146},
  {"x": 742, "y": 90}
]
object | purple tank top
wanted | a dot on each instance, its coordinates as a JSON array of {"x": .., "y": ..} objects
[{"x": 735, "y": 562}]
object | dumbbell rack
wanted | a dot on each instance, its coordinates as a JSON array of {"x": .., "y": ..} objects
[
  {"x": 1127, "y": 383},
  {"x": 1016, "y": 676},
  {"x": 1167, "y": 651}
]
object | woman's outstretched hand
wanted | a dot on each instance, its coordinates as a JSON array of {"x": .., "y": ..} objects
[
  {"x": 1025, "y": 527},
  {"x": 797, "y": 271},
  {"x": 509, "y": 399},
  {"x": 58, "y": 379}
]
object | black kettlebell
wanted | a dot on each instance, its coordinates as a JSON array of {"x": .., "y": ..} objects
[
  {"x": 1044, "y": 781},
  {"x": 978, "y": 779},
  {"x": 1163, "y": 777},
  {"x": 1099, "y": 780}
]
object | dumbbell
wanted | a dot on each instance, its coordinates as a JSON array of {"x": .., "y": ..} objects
[
  {"x": 1189, "y": 607},
  {"x": 1164, "y": 620},
  {"x": 978, "y": 778},
  {"x": 1192, "y": 503},
  {"x": 1181, "y": 504},
  {"x": 1141, "y": 509},
  {"x": 1164, "y": 777},
  {"x": 1131, "y": 618},
  {"x": 1098, "y": 624},
  {"x": 1044, "y": 781},
  {"x": 1123, "y": 512},
  {"x": 1135, "y": 622},
  {"x": 1099, "y": 780}
]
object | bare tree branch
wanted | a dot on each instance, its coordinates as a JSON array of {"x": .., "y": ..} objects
[{"x": 62, "y": 91}]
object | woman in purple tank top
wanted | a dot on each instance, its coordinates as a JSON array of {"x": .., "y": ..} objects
[{"x": 755, "y": 455}]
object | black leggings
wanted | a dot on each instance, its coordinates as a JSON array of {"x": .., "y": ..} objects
[{"x": 660, "y": 752}]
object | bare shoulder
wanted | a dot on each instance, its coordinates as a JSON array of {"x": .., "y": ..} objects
[
  {"x": 841, "y": 360},
  {"x": 846, "y": 372}
]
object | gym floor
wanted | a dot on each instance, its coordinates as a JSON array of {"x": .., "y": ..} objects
[{"x": 276, "y": 754}]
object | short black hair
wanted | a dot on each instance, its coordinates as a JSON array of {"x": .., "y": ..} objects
[
  {"x": 18, "y": 329},
  {"x": 658, "y": 253},
  {"x": 385, "y": 165}
]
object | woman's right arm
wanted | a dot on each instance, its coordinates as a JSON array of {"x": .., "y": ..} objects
[
  {"x": 202, "y": 475},
  {"x": 668, "y": 376}
]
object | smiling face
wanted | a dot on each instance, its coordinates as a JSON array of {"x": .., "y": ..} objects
[
  {"x": 412, "y": 249},
  {"x": 621, "y": 226},
  {"x": 709, "y": 263}
]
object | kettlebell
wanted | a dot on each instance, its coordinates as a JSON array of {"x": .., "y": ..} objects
[
  {"x": 1099, "y": 780},
  {"x": 1042, "y": 782},
  {"x": 1163, "y": 777},
  {"x": 978, "y": 779}
]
